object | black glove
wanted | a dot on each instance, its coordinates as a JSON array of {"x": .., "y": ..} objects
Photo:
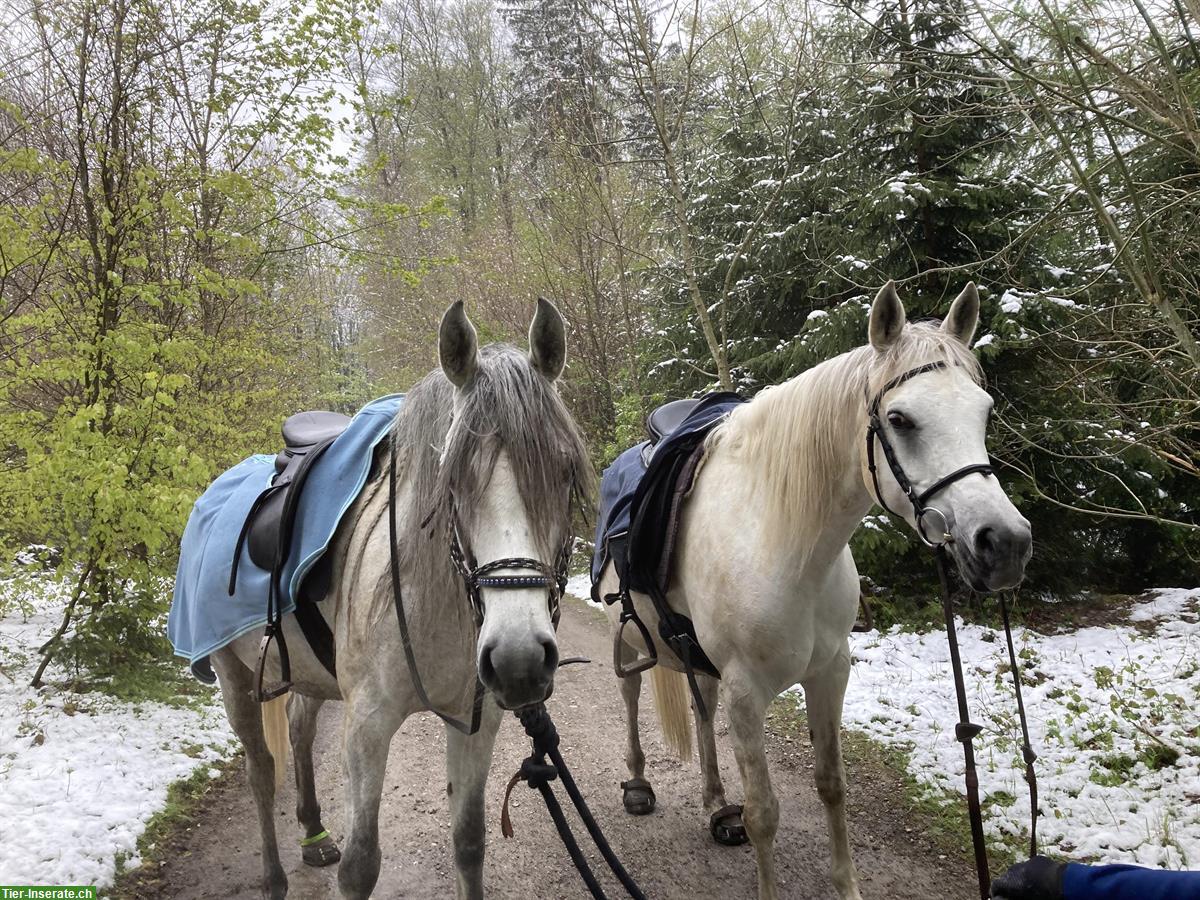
[{"x": 1038, "y": 879}]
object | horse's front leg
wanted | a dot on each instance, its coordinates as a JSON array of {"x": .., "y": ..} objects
[
  {"x": 747, "y": 716},
  {"x": 468, "y": 758},
  {"x": 823, "y": 696},
  {"x": 370, "y": 725}
]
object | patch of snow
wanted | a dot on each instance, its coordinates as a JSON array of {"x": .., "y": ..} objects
[
  {"x": 985, "y": 340},
  {"x": 1093, "y": 697},
  {"x": 581, "y": 587},
  {"x": 1165, "y": 603},
  {"x": 81, "y": 774},
  {"x": 1010, "y": 303},
  {"x": 1063, "y": 301}
]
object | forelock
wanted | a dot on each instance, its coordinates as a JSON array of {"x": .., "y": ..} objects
[
  {"x": 919, "y": 343},
  {"x": 510, "y": 406}
]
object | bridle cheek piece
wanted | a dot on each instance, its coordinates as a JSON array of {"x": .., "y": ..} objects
[
  {"x": 478, "y": 576},
  {"x": 922, "y": 510}
]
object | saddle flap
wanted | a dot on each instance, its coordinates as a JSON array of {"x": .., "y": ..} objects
[
  {"x": 262, "y": 535},
  {"x": 664, "y": 420},
  {"x": 268, "y": 528}
]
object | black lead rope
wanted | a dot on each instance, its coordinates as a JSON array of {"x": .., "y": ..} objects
[
  {"x": 965, "y": 731},
  {"x": 537, "y": 772},
  {"x": 1026, "y": 747}
]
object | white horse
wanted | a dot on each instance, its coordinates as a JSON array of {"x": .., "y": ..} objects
[
  {"x": 762, "y": 564},
  {"x": 485, "y": 446}
]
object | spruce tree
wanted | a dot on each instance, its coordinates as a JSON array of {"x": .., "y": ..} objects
[{"x": 562, "y": 75}]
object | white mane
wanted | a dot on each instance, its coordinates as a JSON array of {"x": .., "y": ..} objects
[{"x": 797, "y": 436}]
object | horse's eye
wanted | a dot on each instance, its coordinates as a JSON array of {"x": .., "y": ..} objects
[{"x": 899, "y": 421}]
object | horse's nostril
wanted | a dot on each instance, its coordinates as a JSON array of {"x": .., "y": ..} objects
[
  {"x": 487, "y": 671},
  {"x": 985, "y": 541},
  {"x": 550, "y": 663}
]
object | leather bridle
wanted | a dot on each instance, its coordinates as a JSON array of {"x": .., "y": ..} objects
[
  {"x": 919, "y": 500},
  {"x": 965, "y": 731}
]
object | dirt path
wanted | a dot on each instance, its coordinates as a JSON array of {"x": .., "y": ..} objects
[{"x": 669, "y": 852}]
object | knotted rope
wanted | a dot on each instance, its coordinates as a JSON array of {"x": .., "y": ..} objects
[{"x": 537, "y": 772}]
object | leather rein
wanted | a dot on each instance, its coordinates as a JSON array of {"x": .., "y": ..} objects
[
  {"x": 965, "y": 730},
  {"x": 474, "y": 577}
]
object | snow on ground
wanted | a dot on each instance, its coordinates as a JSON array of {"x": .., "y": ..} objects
[
  {"x": 81, "y": 774},
  {"x": 580, "y": 586},
  {"x": 1113, "y": 714}
]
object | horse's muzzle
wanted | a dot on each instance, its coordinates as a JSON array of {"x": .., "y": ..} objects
[
  {"x": 519, "y": 673},
  {"x": 996, "y": 555}
]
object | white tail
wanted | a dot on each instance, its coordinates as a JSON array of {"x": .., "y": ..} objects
[
  {"x": 275, "y": 730},
  {"x": 671, "y": 703}
]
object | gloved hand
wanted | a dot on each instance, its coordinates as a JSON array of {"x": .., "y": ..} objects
[{"x": 1038, "y": 879}]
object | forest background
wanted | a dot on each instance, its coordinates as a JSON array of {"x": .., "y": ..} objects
[{"x": 216, "y": 213}]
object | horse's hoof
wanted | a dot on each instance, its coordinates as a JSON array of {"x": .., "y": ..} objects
[
  {"x": 639, "y": 797},
  {"x": 321, "y": 852},
  {"x": 726, "y": 826}
]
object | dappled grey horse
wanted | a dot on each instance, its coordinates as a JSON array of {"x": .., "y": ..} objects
[{"x": 487, "y": 451}]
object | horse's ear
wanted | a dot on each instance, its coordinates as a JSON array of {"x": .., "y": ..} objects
[
  {"x": 960, "y": 322},
  {"x": 887, "y": 317},
  {"x": 458, "y": 346},
  {"x": 548, "y": 340}
]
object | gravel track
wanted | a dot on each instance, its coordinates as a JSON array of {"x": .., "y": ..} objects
[{"x": 669, "y": 852}]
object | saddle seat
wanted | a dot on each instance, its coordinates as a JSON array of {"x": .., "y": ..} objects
[
  {"x": 663, "y": 422},
  {"x": 305, "y": 430},
  {"x": 268, "y": 527}
]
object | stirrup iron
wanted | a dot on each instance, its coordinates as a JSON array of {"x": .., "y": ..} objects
[{"x": 261, "y": 693}]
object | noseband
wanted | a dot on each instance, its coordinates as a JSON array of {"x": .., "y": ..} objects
[
  {"x": 919, "y": 501},
  {"x": 475, "y": 577}
]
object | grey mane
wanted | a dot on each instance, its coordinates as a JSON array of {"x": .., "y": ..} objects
[{"x": 448, "y": 453}]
